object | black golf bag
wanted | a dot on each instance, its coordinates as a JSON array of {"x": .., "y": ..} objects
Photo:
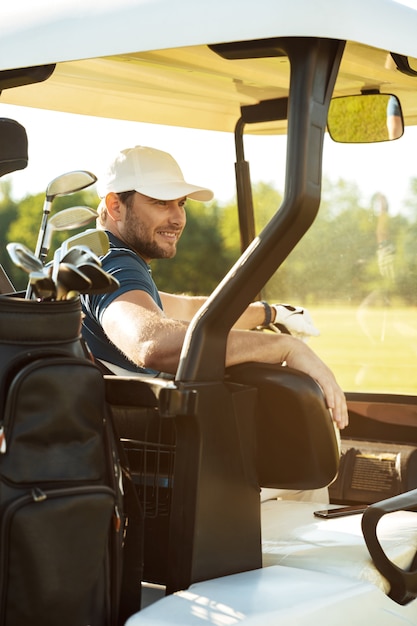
[{"x": 62, "y": 517}]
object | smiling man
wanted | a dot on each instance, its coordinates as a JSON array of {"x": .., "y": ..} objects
[{"x": 138, "y": 328}]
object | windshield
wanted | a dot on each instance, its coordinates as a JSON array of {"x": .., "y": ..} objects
[{"x": 356, "y": 269}]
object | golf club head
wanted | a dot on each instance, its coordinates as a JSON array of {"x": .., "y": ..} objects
[
  {"x": 42, "y": 285},
  {"x": 67, "y": 219},
  {"x": 80, "y": 254},
  {"x": 23, "y": 257},
  {"x": 68, "y": 183},
  {"x": 101, "y": 281},
  {"x": 93, "y": 238},
  {"x": 73, "y": 217},
  {"x": 70, "y": 278}
]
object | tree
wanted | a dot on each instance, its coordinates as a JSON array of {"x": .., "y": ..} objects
[
  {"x": 8, "y": 214},
  {"x": 266, "y": 201},
  {"x": 411, "y": 199},
  {"x": 331, "y": 262}
]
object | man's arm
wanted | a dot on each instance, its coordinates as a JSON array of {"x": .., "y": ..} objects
[
  {"x": 182, "y": 307},
  {"x": 151, "y": 339}
]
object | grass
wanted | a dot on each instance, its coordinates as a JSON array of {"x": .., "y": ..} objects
[{"x": 369, "y": 348}]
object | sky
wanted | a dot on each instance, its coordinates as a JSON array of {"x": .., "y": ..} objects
[{"x": 60, "y": 142}]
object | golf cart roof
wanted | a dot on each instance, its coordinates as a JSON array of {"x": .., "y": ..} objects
[{"x": 152, "y": 61}]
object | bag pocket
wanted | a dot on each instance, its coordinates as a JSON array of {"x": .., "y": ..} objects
[
  {"x": 55, "y": 558},
  {"x": 53, "y": 424}
]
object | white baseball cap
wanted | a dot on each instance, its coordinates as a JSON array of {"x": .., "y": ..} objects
[{"x": 152, "y": 172}]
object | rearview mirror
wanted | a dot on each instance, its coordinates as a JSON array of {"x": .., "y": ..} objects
[{"x": 365, "y": 118}]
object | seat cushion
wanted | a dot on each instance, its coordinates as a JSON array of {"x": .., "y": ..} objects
[
  {"x": 293, "y": 537},
  {"x": 271, "y": 596}
]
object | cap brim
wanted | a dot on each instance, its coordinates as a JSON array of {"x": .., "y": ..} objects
[{"x": 172, "y": 191}]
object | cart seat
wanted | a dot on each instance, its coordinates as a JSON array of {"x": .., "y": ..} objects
[
  {"x": 293, "y": 537},
  {"x": 277, "y": 595}
]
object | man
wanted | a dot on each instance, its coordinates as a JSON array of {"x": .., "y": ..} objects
[{"x": 141, "y": 329}]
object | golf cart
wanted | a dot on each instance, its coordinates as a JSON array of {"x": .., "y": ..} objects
[{"x": 201, "y": 446}]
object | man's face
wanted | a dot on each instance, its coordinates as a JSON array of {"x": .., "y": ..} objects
[{"x": 153, "y": 227}]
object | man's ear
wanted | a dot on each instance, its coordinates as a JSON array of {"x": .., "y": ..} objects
[{"x": 113, "y": 206}]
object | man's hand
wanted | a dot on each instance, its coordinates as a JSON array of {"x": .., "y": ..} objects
[
  {"x": 300, "y": 356},
  {"x": 296, "y": 320}
]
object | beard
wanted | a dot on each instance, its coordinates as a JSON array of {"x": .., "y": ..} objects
[{"x": 137, "y": 236}]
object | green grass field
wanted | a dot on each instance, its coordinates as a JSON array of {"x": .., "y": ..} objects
[{"x": 369, "y": 348}]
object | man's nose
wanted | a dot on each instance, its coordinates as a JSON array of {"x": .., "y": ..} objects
[{"x": 177, "y": 214}]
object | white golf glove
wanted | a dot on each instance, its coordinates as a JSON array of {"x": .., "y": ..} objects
[{"x": 296, "y": 320}]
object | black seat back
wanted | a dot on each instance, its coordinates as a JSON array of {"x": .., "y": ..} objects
[
  {"x": 13, "y": 146},
  {"x": 296, "y": 442}
]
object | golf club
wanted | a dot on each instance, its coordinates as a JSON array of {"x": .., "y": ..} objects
[
  {"x": 89, "y": 263},
  {"x": 70, "y": 278},
  {"x": 96, "y": 240},
  {"x": 42, "y": 285},
  {"x": 77, "y": 271},
  {"x": 61, "y": 186},
  {"x": 24, "y": 258},
  {"x": 40, "y": 279},
  {"x": 67, "y": 219},
  {"x": 101, "y": 281},
  {"x": 81, "y": 254},
  {"x": 75, "y": 255}
]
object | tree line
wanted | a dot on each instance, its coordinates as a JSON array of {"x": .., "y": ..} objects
[{"x": 339, "y": 259}]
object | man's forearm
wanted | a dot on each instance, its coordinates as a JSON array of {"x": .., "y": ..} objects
[
  {"x": 182, "y": 307},
  {"x": 257, "y": 314}
]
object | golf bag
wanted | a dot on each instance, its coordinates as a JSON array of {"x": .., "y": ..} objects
[{"x": 62, "y": 516}]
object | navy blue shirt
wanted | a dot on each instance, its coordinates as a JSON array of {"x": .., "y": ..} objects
[{"x": 133, "y": 273}]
